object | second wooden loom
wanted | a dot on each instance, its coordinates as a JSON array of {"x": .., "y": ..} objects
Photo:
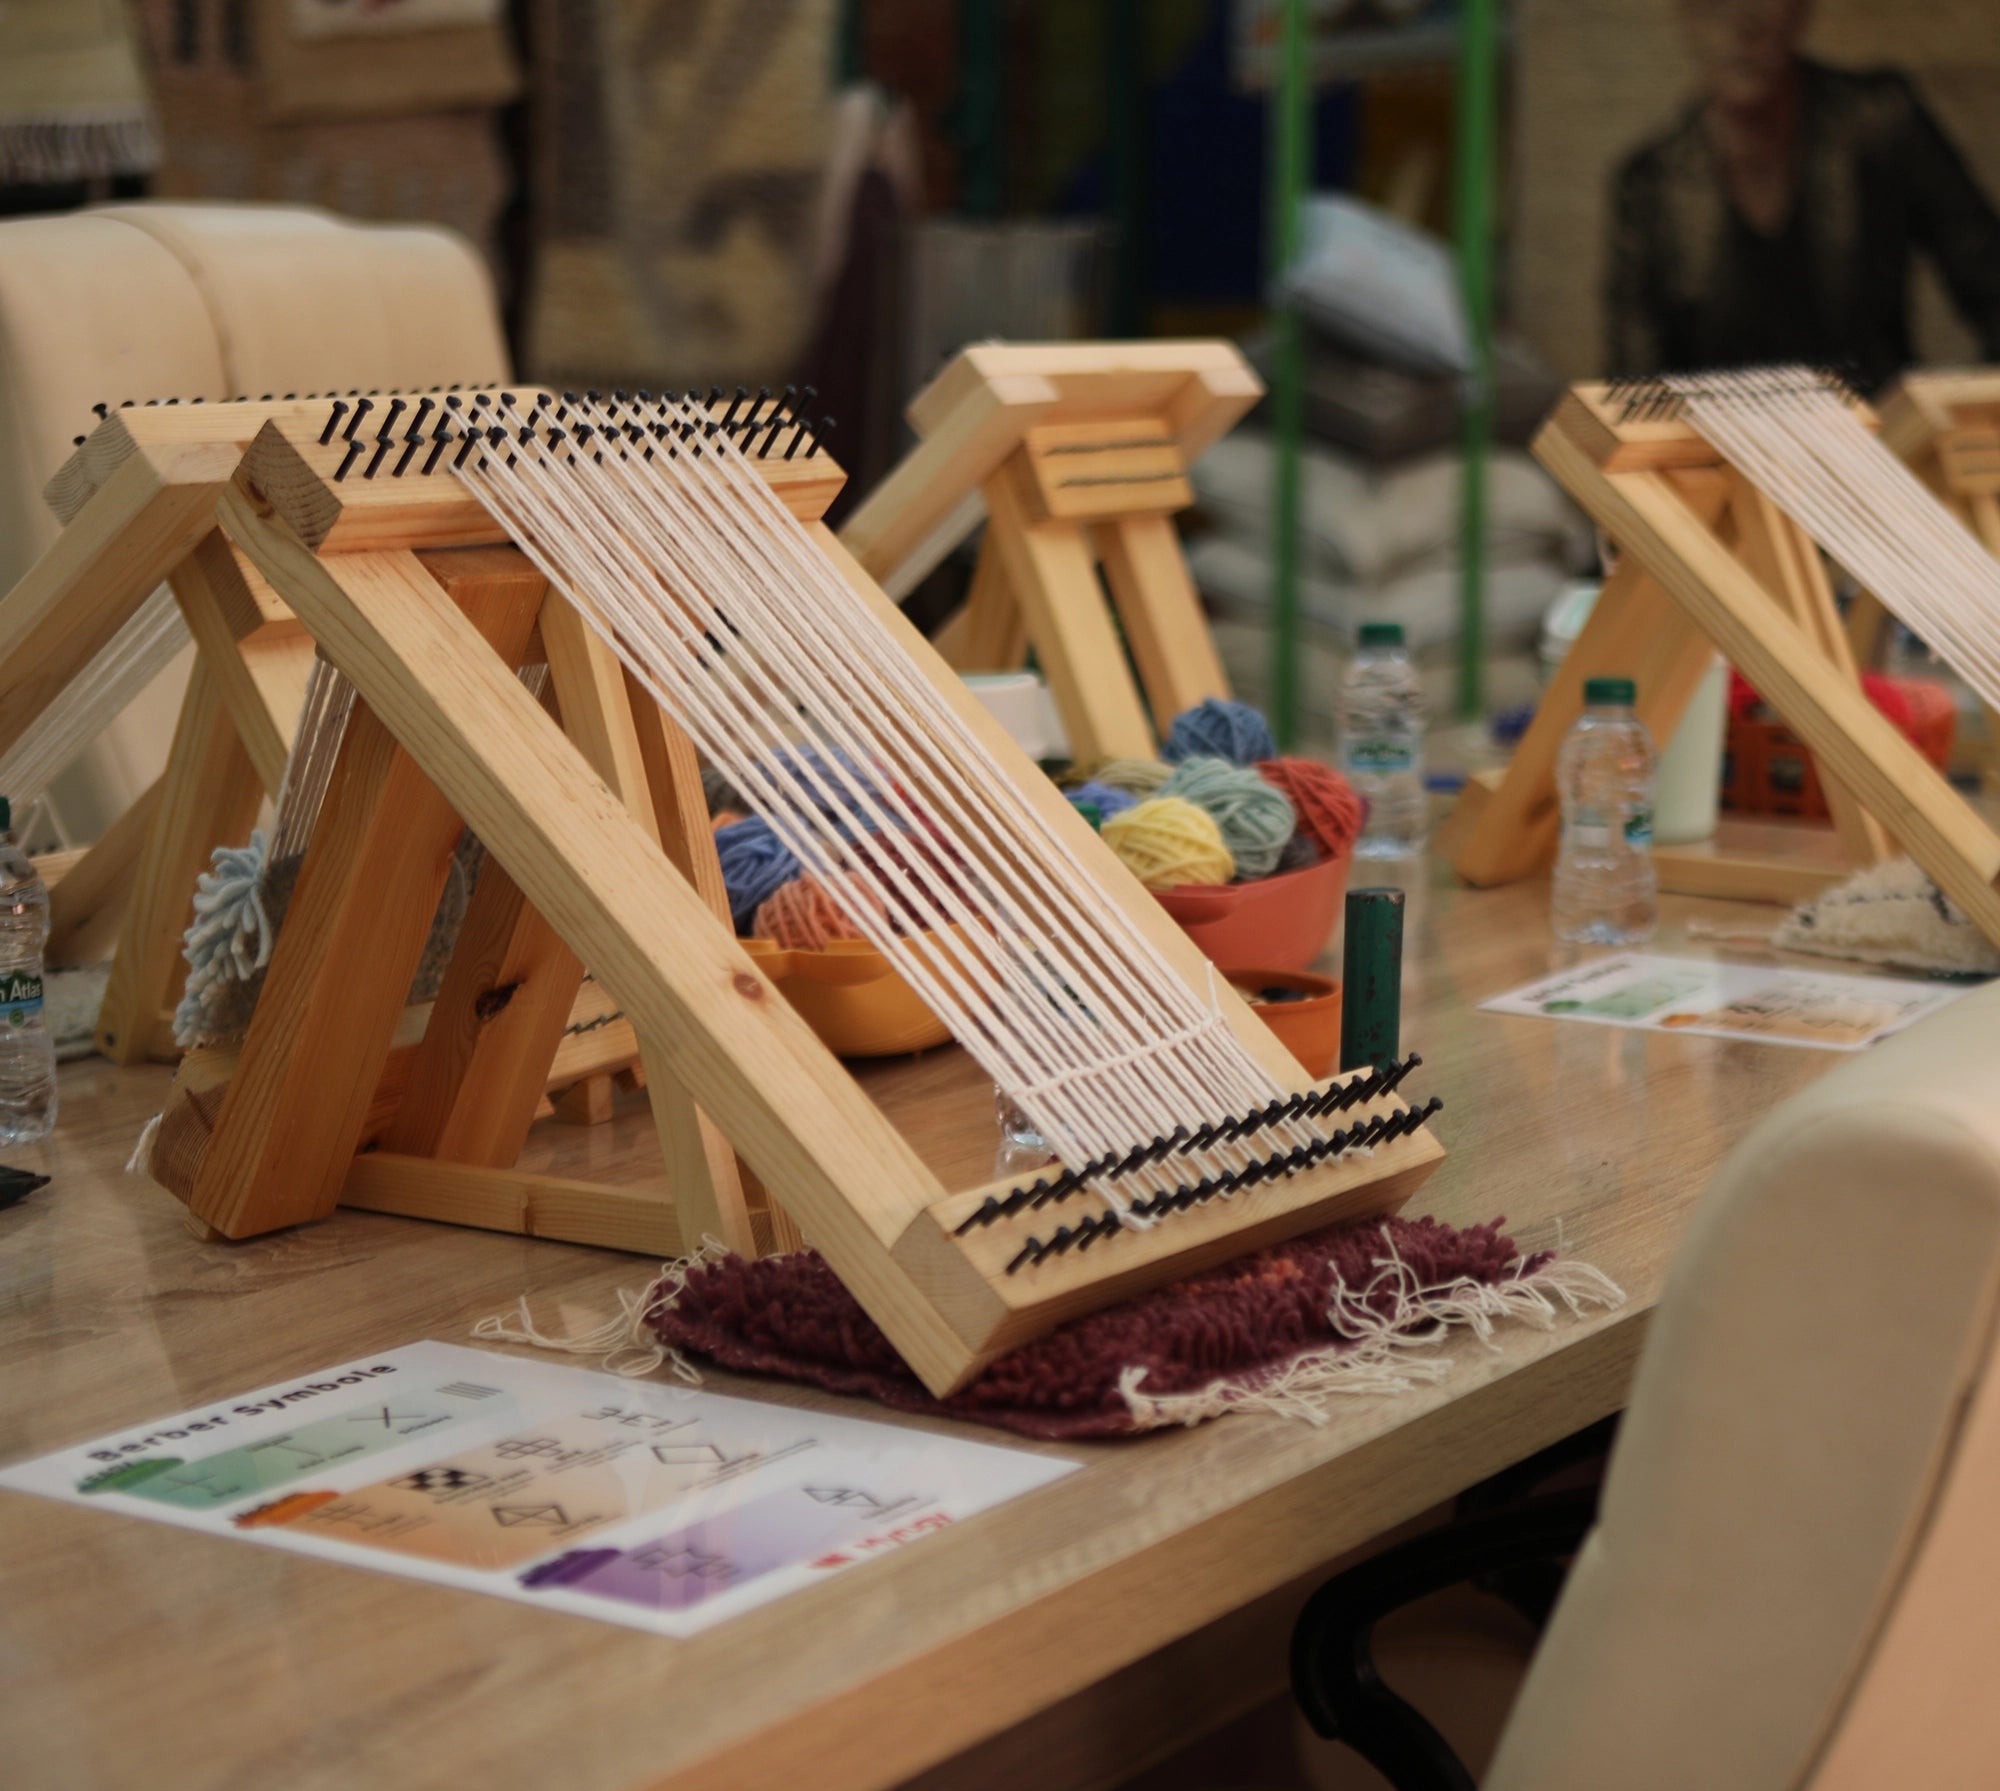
[
  {"x": 1077, "y": 455},
  {"x": 599, "y": 854},
  {"x": 1708, "y": 562}
]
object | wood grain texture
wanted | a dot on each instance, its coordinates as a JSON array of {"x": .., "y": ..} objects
[
  {"x": 354, "y": 934},
  {"x": 1052, "y": 574},
  {"x": 1596, "y": 1139},
  {"x": 289, "y": 472},
  {"x": 1161, "y": 615},
  {"x": 599, "y": 710}
]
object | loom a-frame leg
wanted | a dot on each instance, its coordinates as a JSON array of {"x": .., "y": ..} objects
[
  {"x": 600, "y": 717},
  {"x": 1512, "y": 822},
  {"x": 1052, "y": 573},
  {"x": 354, "y": 933},
  {"x": 1160, "y": 613}
]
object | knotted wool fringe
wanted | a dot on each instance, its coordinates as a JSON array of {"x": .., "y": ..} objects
[
  {"x": 625, "y": 1345},
  {"x": 1380, "y": 1349},
  {"x": 1385, "y": 1353}
]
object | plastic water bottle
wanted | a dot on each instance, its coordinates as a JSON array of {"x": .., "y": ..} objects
[
  {"x": 1382, "y": 742},
  {"x": 1605, "y": 889},
  {"x": 27, "y": 1053}
]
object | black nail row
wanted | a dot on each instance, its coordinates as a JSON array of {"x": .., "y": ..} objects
[
  {"x": 1381, "y": 1129},
  {"x": 1312, "y": 1104}
]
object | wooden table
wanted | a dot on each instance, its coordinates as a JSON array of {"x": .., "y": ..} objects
[{"x": 137, "y": 1654}]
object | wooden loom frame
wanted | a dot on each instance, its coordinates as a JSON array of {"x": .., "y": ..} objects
[
  {"x": 1708, "y": 563},
  {"x": 1945, "y": 426},
  {"x": 133, "y": 888},
  {"x": 407, "y": 586},
  {"x": 1077, "y": 454}
]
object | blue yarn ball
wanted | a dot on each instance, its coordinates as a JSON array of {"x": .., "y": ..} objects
[
  {"x": 755, "y": 865},
  {"x": 1106, "y": 799},
  {"x": 1220, "y": 729},
  {"x": 829, "y": 794}
]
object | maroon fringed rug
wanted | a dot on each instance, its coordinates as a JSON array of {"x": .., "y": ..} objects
[{"x": 1348, "y": 1310}]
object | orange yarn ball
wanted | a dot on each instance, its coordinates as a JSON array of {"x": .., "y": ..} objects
[
  {"x": 1328, "y": 807},
  {"x": 803, "y": 915}
]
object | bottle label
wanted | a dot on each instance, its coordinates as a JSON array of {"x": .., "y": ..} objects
[
  {"x": 20, "y": 997},
  {"x": 1383, "y": 757},
  {"x": 1639, "y": 829}
]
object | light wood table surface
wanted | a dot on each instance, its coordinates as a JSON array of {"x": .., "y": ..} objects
[{"x": 136, "y": 1654}]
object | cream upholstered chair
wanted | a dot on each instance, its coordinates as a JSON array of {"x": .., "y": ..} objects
[
  {"x": 1791, "y": 1581},
  {"x": 161, "y": 300}
]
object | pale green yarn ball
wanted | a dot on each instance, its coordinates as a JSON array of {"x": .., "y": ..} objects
[{"x": 1256, "y": 820}]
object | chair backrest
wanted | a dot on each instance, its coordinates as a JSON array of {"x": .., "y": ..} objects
[
  {"x": 1812, "y": 1421},
  {"x": 169, "y": 300}
]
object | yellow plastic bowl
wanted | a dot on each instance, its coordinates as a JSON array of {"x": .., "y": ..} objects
[{"x": 852, "y": 996}]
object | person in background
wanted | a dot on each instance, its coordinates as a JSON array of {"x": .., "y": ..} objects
[{"x": 1781, "y": 217}]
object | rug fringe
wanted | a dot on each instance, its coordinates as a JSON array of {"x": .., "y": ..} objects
[
  {"x": 624, "y": 1344},
  {"x": 1383, "y": 1352}
]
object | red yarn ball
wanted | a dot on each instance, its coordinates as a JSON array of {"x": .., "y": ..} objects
[{"x": 1328, "y": 807}]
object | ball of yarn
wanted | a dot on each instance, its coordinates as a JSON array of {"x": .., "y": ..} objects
[
  {"x": 1107, "y": 799},
  {"x": 755, "y": 865},
  {"x": 1138, "y": 778},
  {"x": 1256, "y": 818},
  {"x": 1220, "y": 729},
  {"x": 1167, "y": 841},
  {"x": 809, "y": 913},
  {"x": 1328, "y": 806}
]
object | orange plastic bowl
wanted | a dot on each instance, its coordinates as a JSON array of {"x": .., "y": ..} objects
[
  {"x": 1309, "y": 1029},
  {"x": 852, "y": 996},
  {"x": 1284, "y": 920}
]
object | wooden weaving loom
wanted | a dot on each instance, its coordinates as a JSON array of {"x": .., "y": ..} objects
[
  {"x": 1715, "y": 554},
  {"x": 1077, "y": 455},
  {"x": 1186, "y": 1133},
  {"x": 1945, "y": 426}
]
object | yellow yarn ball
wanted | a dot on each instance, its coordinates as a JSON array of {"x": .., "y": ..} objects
[{"x": 1167, "y": 842}]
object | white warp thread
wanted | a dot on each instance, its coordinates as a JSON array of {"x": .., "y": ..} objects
[
  {"x": 95, "y": 698},
  {"x": 1794, "y": 438},
  {"x": 744, "y": 629}
]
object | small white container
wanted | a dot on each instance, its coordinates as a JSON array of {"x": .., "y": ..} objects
[{"x": 1021, "y": 703}]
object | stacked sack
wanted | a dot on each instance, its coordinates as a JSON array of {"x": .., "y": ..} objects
[{"x": 1220, "y": 805}]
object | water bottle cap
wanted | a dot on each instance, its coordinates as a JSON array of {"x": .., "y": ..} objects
[
  {"x": 1381, "y": 634},
  {"x": 1606, "y": 691}
]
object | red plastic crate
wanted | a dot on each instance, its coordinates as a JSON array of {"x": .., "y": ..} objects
[{"x": 1769, "y": 770}]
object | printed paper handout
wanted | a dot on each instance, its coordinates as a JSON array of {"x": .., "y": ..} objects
[
  {"x": 1740, "y": 1001},
  {"x": 656, "y": 1505}
]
